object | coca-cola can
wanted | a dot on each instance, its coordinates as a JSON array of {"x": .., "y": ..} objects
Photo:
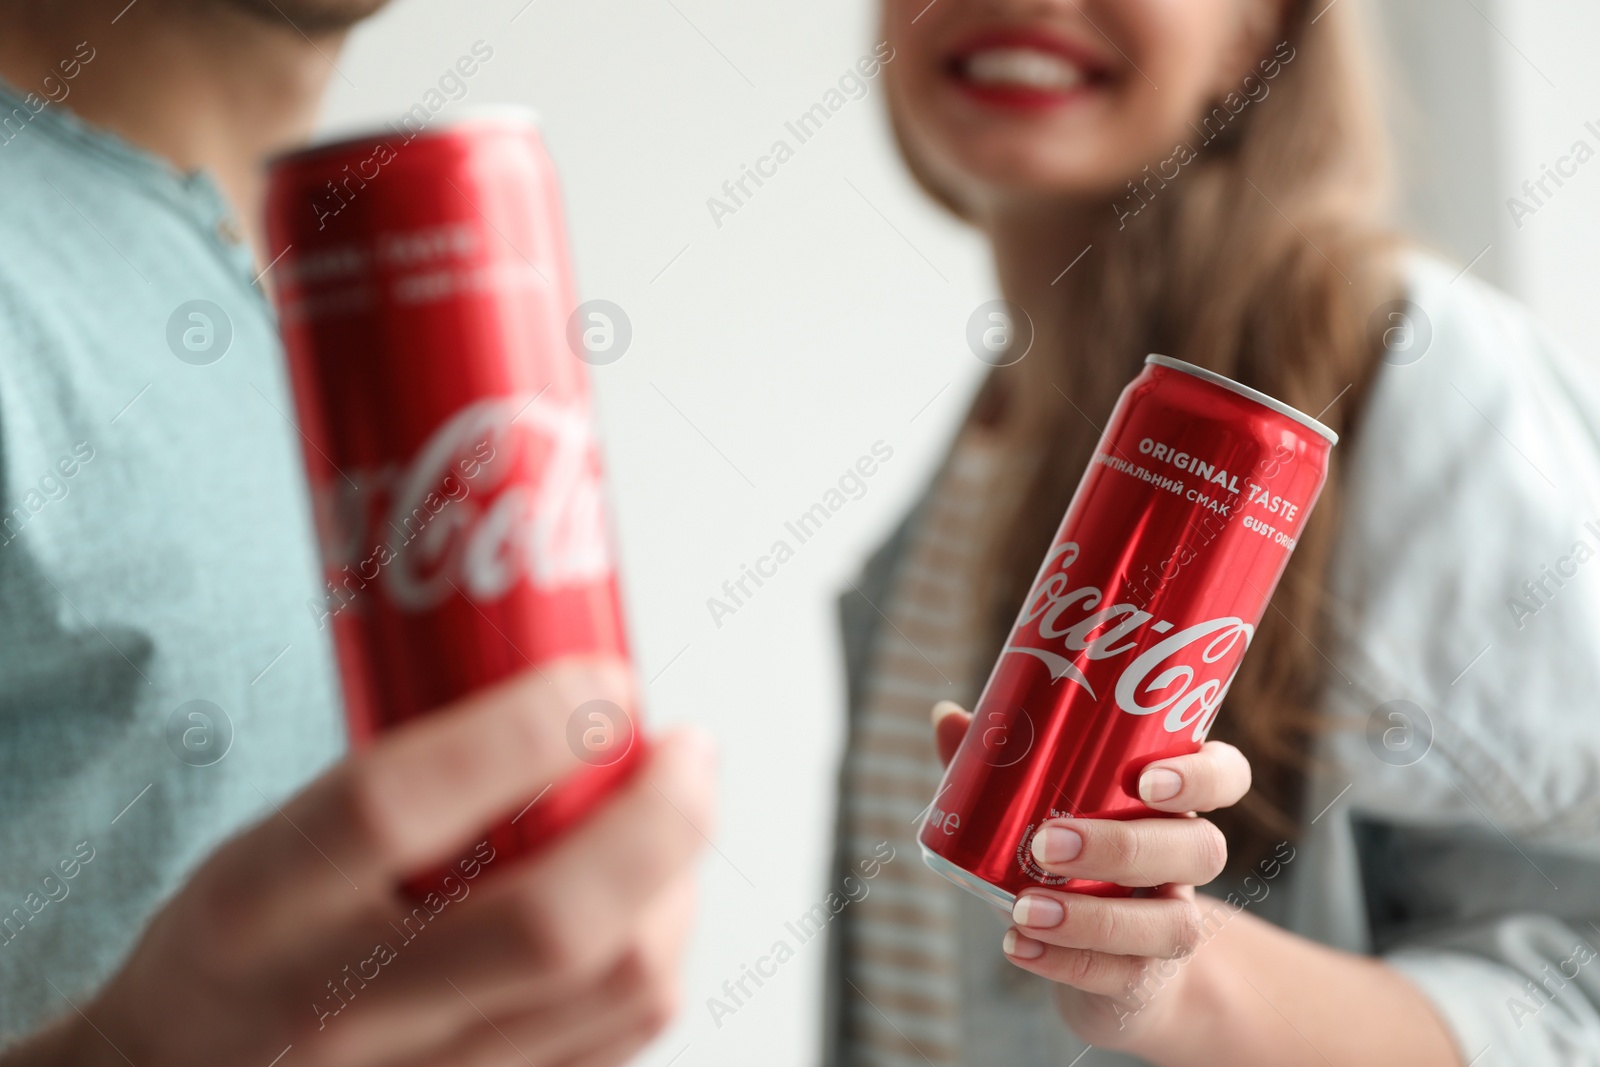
[
  {"x": 1137, "y": 621},
  {"x": 424, "y": 289}
]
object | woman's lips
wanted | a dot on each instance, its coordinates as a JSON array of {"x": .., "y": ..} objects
[{"x": 1023, "y": 68}]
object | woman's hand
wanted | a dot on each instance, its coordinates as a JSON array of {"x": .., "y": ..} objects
[
  {"x": 1106, "y": 952},
  {"x": 294, "y": 935}
]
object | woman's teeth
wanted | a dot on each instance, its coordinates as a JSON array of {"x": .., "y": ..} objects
[{"x": 1024, "y": 68}]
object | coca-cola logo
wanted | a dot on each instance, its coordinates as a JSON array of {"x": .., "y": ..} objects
[
  {"x": 507, "y": 490},
  {"x": 1184, "y": 675}
]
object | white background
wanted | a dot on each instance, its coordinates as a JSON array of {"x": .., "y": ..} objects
[{"x": 827, "y": 314}]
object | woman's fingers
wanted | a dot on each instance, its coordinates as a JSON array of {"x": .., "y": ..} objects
[
  {"x": 1085, "y": 969},
  {"x": 950, "y": 721},
  {"x": 1138, "y": 852},
  {"x": 1218, "y": 776},
  {"x": 1166, "y": 927},
  {"x": 1107, "y": 946}
]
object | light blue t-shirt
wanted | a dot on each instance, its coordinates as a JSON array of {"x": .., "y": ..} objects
[{"x": 156, "y": 549}]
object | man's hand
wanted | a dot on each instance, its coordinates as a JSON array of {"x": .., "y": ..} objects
[{"x": 569, "y": 958}]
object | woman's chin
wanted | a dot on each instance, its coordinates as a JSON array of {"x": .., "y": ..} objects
[{"x": 995, "y": 177}]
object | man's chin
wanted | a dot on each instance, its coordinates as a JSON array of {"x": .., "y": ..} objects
[{"x": 311, "y": 17}]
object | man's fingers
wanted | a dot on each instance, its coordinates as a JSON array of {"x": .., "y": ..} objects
[
  {"x": 573, "y": 910},
  {"x": 623, "y": 1049},
  {"x": 1218, "y": 776},
  {"x": 950, "y": 723},
  {"x": 612, "y": 894},
  {"x": 659, "y": 930},
  {"x": 629, "y": 1001},
  {"x": 417, "y": 797},
  {"x": 1137, "y": 852}
]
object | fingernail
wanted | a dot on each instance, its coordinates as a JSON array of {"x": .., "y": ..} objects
[
  {"x": 1057, "y": 844},
  {"x": 1038, "y": 911},
  {"x": 944, "y": 708},
  {"x": 1158, "y": 784},
  {"x": 1022, "y": 948}
]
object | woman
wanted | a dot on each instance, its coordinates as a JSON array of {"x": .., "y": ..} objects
[{"x": 1413, "y": 871}]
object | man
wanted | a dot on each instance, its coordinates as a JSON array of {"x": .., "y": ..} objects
[{"x": 161, "y": 683}]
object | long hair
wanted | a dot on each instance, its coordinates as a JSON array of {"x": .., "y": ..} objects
[{"x": 1263, "y": 258}]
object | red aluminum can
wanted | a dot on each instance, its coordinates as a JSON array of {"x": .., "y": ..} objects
[
  {"x": 424, "y": 290},
  {"x": 1137, "y": 621}
]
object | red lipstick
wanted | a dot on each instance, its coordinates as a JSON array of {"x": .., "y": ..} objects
[{"x": 980, "y": 63}]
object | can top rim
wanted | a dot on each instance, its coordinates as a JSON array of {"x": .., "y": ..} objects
[
  {"x": 468, "y": 114},
  {"x": 1245, "y": 391}
]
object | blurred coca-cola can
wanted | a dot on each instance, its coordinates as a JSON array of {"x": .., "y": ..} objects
[
  {"x": 425, "y": 293},
  {"x": 1136, "y": 623}
]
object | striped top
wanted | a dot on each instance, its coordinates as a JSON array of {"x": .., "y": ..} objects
[{"x": 900, "y": 1000}]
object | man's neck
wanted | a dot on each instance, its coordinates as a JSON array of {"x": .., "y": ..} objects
[{"x": 205, "y": 86}]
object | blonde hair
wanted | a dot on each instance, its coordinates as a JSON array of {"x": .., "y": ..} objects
[{"x": 1263, "y": 259}]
